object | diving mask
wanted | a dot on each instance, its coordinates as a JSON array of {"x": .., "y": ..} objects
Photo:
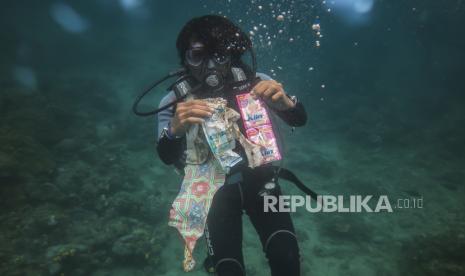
[{"x": 209, "y": 68}]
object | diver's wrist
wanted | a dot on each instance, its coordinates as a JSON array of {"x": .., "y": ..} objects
[
  {"x": 292, "y": 102},
  {"x": 170, "y": 132}
]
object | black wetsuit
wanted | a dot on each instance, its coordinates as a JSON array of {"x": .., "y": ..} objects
[{"x": 240, "y": 194}]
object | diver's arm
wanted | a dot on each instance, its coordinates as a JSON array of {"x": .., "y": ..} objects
[
  {"x": 170, "y": 149},
  {"x": 294, "y": 116},
  {"x": 174, "y": 123}
]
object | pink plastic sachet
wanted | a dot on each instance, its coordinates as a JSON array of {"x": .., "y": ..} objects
[{"x": 258, "y": 127}]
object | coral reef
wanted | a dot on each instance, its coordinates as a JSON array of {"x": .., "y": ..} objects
[
  {"x": 72, "y": 200},
  {"x": 434, "y": 254}
]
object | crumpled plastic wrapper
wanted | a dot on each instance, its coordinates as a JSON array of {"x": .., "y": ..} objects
[
  {"x": 220, "y": 133},
  {"x": 197, "y": 149},
  {"x": 205, "y": 174}
]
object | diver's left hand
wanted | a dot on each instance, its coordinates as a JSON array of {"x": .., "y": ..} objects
[{"x": 273, "y": 94}]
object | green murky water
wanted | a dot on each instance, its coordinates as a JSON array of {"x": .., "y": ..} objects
[{"x": 82, "y": 191}]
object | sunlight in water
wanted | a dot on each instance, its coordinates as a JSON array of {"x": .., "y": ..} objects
[
  {"x": 353, "y": 11},
  {"x": 65, "y": 16}
]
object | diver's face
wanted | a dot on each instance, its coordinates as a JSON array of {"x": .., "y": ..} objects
[
  {"x": 206, "y": 66},
  {"x": 198, "y": 54}
]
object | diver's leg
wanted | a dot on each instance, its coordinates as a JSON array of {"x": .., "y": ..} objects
[
  {"x": 224, "y": 231},
  {"x": 277, "y": 236}
]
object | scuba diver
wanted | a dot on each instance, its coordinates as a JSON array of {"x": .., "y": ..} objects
[{"x": 223, "y": 176}]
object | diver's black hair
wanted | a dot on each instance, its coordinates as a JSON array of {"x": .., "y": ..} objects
[{"x": 219, "y": 34}]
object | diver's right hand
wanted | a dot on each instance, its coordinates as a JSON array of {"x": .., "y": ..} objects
[{"x": 189, "y": 113}]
